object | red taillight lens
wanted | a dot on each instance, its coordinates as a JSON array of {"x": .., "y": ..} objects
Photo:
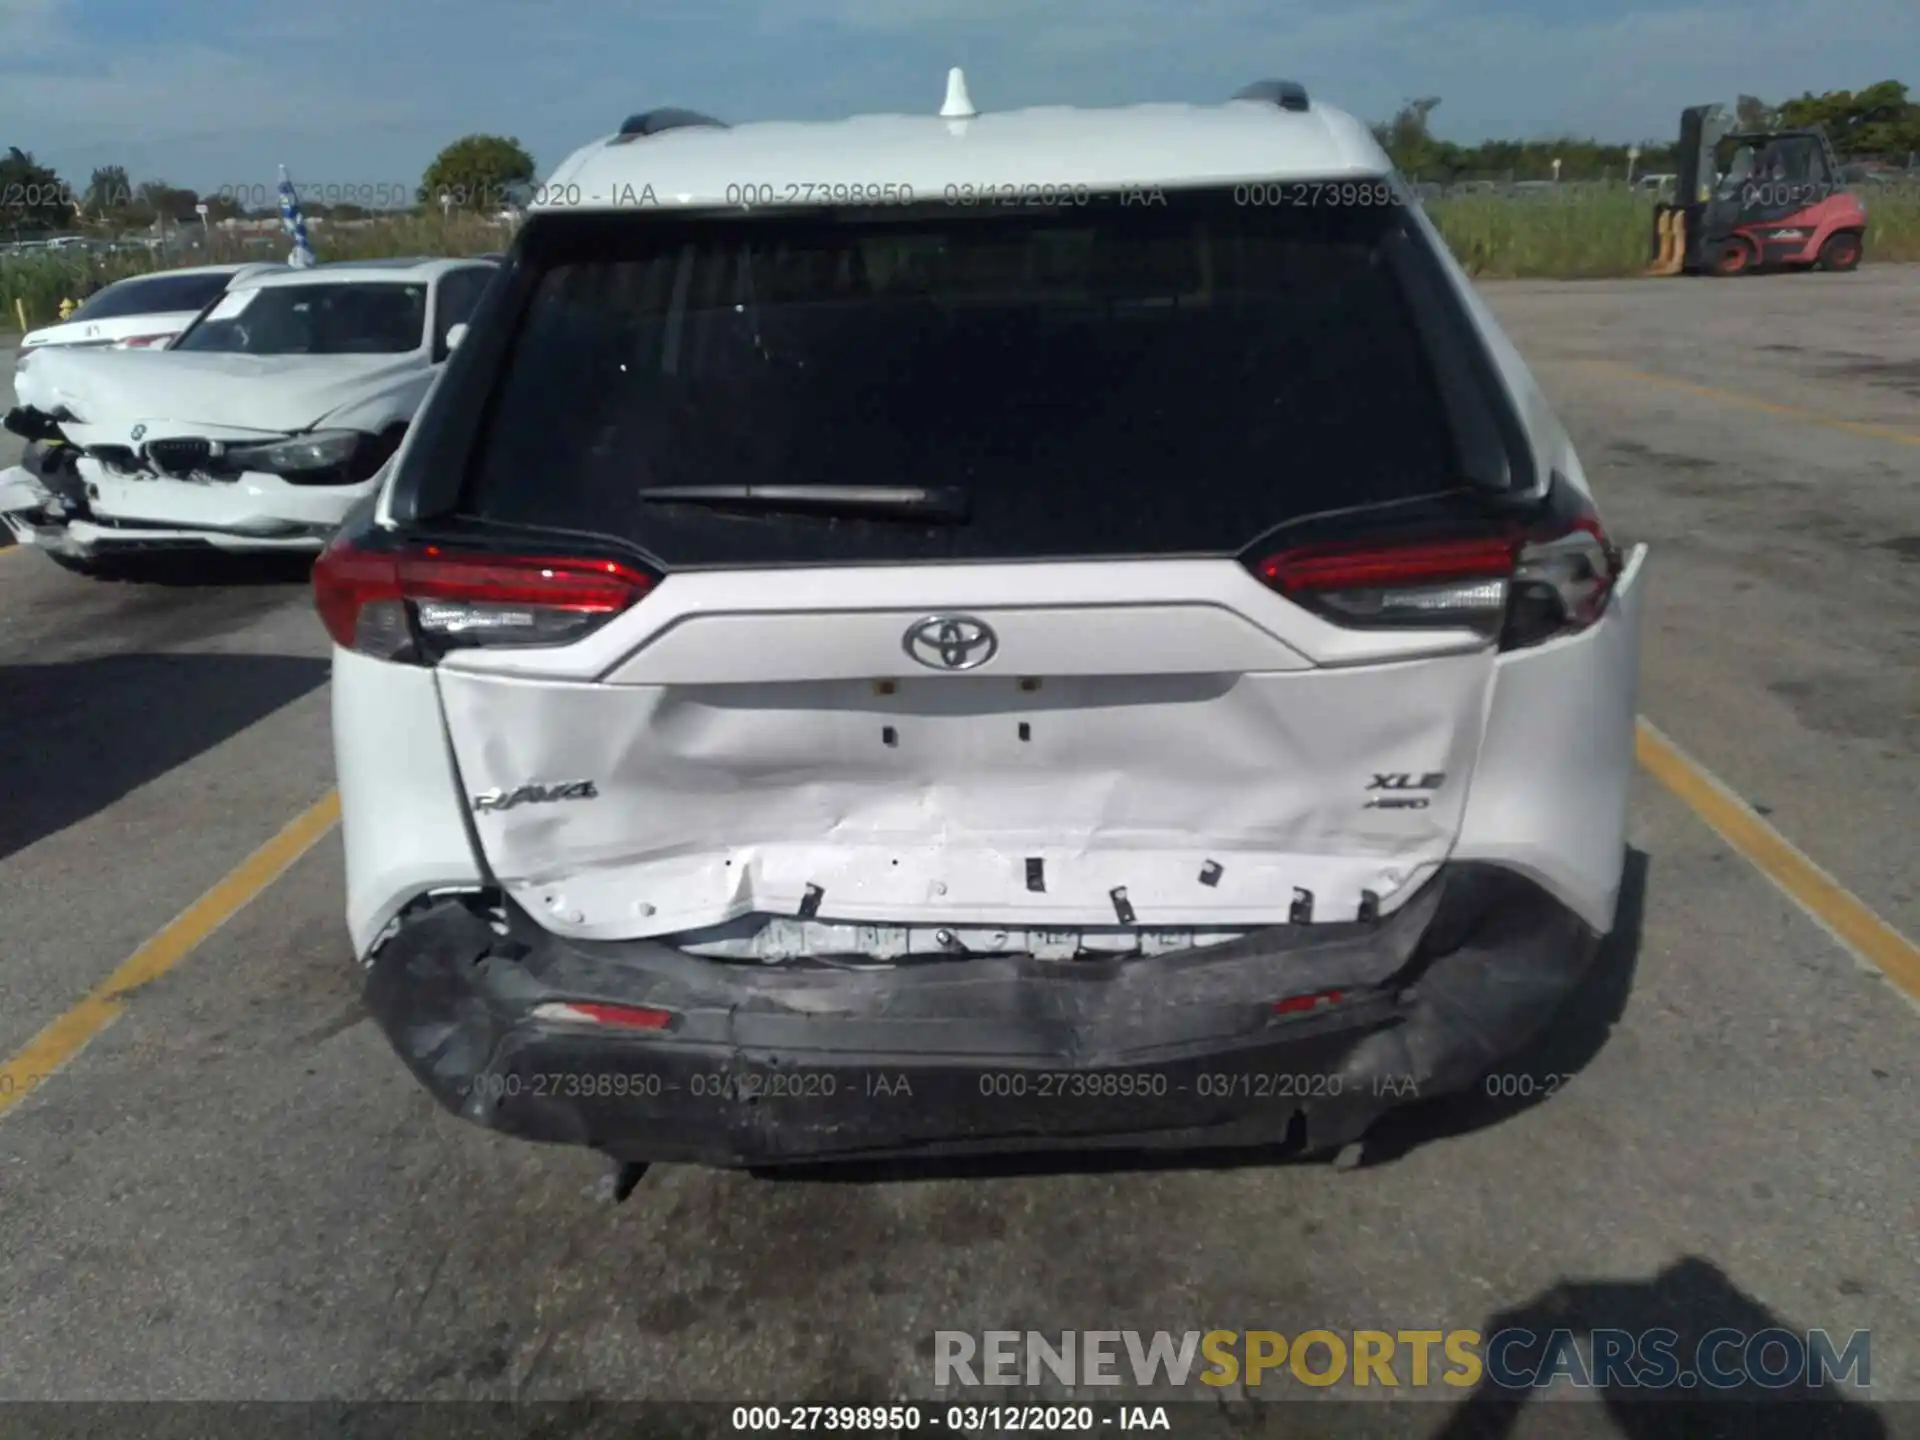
[
  {"x": 584, "y": 1012},
  {"x": 1525, "y": 586},
  {"x": 357, "y": 593},
  {"x": 1307, "y": 1004},
  {"x": 383, "y": 603},
  {"x": 1447, "y": 582}
]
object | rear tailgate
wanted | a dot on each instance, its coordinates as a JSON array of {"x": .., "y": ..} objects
[
  {"x": 1136, "y": 404},
  {"x": 1165, "y": 741}
]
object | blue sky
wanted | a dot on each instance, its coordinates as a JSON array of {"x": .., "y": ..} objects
[{"x": 210, "y": 93}]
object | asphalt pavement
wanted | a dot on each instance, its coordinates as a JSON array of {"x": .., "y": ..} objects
[{"x": 235, "y": 1191}]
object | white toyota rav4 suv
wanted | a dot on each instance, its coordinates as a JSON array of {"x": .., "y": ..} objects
[{"x": 973, "y": 632}]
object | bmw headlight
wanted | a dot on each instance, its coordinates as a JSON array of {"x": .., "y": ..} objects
[{"x": 320, "y": 450}]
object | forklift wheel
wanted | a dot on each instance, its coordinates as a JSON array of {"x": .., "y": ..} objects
[
  {"x": 1732, "y": 256},
  {"x": 1841, "y": 252}
]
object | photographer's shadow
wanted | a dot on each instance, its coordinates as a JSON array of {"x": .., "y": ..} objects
[{"x": 1692, "y": 1298}]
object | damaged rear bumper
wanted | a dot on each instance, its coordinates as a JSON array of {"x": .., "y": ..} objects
[{"x": 761, "y": 1065}]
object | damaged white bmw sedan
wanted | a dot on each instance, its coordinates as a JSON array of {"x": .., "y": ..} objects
[
  {"x": 256, "y": 430},
  {"x": 976, "y": 632}
]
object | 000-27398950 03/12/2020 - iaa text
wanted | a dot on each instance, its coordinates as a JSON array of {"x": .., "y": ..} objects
[
  {"x": 967, "y": 1419},
  {"x": 1029, "y": 195},
  {"x": 390, "y": 194},
  {"x": 1025, "y": 1087}
]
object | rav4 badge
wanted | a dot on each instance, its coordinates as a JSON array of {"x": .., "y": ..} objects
[{"x": 535, "y": 795}]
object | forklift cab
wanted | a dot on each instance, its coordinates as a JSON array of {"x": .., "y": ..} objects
[{"x": 1770, "y": 176}]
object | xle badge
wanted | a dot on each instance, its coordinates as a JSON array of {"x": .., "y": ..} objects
[
  {"x": 535, "y": 795},
  {"x": 1402, "y": 780}
]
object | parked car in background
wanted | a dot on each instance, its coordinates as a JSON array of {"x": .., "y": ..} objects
[
  {"x": 257, "y": 429},
  {"x": 144, "y": 312}
]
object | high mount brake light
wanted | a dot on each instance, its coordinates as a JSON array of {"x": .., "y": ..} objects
[
  {"x": 418, "y": 603},
  {"x": 1524, "y": 586}
]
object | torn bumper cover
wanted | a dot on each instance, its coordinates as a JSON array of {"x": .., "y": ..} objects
[
  {"x": 51, "y": 508},
  {"x": 760, "y": 1065},
  {"x": 33, "y": 508}
]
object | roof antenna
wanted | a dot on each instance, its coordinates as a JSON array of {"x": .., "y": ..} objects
[{"x": 959, "y": 104}]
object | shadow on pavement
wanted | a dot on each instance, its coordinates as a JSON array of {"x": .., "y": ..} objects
[
  {"x": 1563, "y": 1049},
  {"x": 1691, "y": 1299},
  {"x": 203, "y": 568},
  {"x": 76, "y": 737}
]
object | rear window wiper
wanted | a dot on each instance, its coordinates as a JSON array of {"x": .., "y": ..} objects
[{"x": 938, "y": 503}]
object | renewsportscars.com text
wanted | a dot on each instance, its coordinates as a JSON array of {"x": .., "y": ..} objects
[{"x": 1513, "y": 1359}]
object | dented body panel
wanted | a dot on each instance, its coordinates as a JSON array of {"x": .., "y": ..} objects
[
  {"x": 1120, "y": 754},
  {"x": 1555, "y": 770}
]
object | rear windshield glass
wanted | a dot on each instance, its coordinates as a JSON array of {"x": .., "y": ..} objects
[
  {"x": 1164, "y": 375},
  {"x": 335, "y": 318},
  {"x": 154, "y": 295}
]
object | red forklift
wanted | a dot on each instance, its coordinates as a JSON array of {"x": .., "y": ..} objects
[{"x": 1750, "y": 201}]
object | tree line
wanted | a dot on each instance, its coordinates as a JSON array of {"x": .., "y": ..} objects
[
  {"x": 1877, "y": 123},
  {"x": 474, "y": 173},
  {"x": 485, "y": 172}
]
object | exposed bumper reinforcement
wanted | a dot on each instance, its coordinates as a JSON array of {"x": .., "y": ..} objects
[{"x": 771, "y": 1064}]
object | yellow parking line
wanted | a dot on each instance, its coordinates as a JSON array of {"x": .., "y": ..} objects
[
  {"x": 67, "y": 1036},
  {"x": 1749, "y": 402},
  {"x": 1837, "y": 910}
]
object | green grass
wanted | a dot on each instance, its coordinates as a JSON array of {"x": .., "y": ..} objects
[
  {"x": 1580, "y": 234},
  {"x": 1893, "y": 227},
  {"x": 1592, "y": 234},
  {"x": 1585, "y": 235}
]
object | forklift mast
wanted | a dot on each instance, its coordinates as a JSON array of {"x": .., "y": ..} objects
[{"x": 1701, "y": 130}]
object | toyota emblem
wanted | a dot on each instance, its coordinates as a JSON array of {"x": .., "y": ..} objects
[{"x": 952, "y": 642}]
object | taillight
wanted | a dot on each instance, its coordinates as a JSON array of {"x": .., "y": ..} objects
[
  {"x": 1561, "y": 584},
  {"x": 419, "y": 603},
  {"x": 1448, "y": 583},
  {"x": 1308, "y": 1003},
  {"x": 583, "y": 1012},
  {"x": 1523, "y": 584}
]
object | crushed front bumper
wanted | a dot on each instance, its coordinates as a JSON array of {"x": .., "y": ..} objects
[
  {"x": 769, "y": 1064},
  {"x": 84, "y": 517}
]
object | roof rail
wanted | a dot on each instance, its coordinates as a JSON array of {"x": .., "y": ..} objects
[
  {"x": 1287, "y": 94},
  {"x": 652, "y": 122}
]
